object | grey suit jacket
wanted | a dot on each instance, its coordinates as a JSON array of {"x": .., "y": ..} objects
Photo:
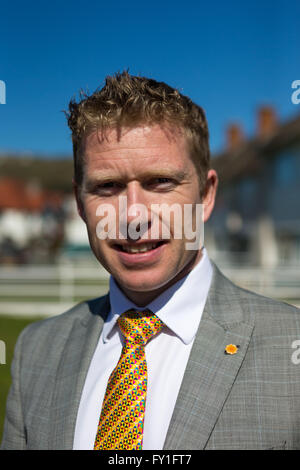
[{"x": 248, "y": 400}]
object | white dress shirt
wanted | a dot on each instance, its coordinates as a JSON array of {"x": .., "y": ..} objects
[{"x": 180, "y": 308}]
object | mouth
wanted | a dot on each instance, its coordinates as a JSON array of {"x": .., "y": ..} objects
[{"x": 138, "y": 248}]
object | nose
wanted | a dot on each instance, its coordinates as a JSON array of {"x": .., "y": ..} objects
[
  {"x": 136, "y": 200},
  {"x": 137, "y": 219}
]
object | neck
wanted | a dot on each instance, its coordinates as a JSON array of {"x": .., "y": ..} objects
[{"x": 141, "y": 299}]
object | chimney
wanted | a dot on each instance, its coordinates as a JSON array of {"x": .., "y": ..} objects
[
  {"x": 267, "y": 121},
  {"x": 235, "y": 136}
]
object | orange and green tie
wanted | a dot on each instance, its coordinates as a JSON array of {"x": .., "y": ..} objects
[{"x": 122, "y": 416}]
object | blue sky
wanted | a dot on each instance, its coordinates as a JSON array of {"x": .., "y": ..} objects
[{"x": 229, "y": 57}]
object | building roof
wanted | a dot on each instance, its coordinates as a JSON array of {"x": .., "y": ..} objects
[
  {"x": 245, "y": 158},
  {"x": 24, "y": 196}
]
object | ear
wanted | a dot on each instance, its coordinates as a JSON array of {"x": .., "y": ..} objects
[
  {"x": 79, "y": 204},
  {"x": 209, "y": 197}
]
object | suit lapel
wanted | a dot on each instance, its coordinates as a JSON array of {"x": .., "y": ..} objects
[
  {"x": 72, "y": 371},
  {"x": 210, "y": 373}
]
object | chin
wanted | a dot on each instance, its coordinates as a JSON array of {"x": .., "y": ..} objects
[{"x": 140, "y": 283}]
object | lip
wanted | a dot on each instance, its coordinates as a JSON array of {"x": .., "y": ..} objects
[{"x": 135, "y": 259}]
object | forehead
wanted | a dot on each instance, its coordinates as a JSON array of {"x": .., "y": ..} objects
[{"x": 142, "y": 145}]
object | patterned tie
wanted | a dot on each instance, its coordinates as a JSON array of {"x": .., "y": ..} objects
[{"x": 123, "y": 410}]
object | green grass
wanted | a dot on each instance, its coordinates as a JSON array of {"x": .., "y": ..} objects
[
  {"x": 36, "y": 298},
  {"x": 10, "y": 328}
]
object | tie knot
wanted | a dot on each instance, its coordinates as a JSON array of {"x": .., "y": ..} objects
[{"x": 139, "y": 326}]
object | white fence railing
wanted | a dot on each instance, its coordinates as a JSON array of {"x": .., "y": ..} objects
[
  {"x": 279, "y": 283},
  {"x": 49, "y": 290}
]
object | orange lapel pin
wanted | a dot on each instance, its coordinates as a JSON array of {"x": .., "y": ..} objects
[{"x": 231, "y": 349}]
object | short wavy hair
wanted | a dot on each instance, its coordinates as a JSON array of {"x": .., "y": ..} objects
[{"x": 129, "y": 101}]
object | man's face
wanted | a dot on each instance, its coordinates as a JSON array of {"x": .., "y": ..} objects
[{"x": 147, "y": 166}]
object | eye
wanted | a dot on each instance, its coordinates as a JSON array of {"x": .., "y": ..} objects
[
  {"x": 163, "y": 180},
  {"x": 161, "y": 183},
  {"x": 107, "y": 188},
  {"x": 110, "y": 184}
]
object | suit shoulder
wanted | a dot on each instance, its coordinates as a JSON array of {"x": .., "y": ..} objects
[
  {"x": 63, "y": 323},
  {"x": 271, "y": 317},
  {"x": 267, "y": 303},
  {"x": 240, "y": 304},
  {"x": 237, "y": 293}
]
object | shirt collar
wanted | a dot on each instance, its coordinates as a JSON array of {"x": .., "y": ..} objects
[{"x": 180, "y": 306}]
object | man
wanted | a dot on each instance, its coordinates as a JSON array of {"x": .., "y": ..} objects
[{"x": 175, "y": 356}]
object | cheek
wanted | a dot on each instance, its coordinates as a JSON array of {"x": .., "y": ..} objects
[
  {"x": 97, "y": 212},
  {"x": 90, "y": 205}
]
